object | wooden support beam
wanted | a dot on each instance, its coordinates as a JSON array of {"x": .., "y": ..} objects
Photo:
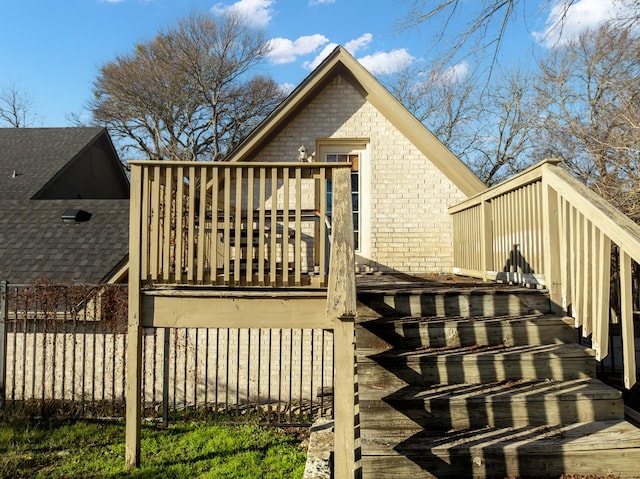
[
  {"x": 134, "y": 328},
  {"x": 341, "y": 307},
  {"x": 3, "y": 341}
]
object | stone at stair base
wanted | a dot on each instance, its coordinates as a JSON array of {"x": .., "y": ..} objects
[{"x": 320, "y": 452}]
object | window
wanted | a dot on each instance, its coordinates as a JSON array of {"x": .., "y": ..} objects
[{"x": 354, "y": 159}]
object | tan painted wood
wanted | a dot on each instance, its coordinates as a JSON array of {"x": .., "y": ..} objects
[
  {"x": 214, "y": 245},
  {"x": 227, "y": 226},
  {"x": 167, "y": 223},
  {"x": 179, "y": 224},
  {"x": 626, "y": 314},
  {"x": 202, "y": 216},
  {"x": 250, "y": 227},
  {"x": 191, "y": 221},
  {"x": 285, "y": 227},
  {"x": 601, "y": 330},
  {"x": 551, "y": 243},
  {"x": 134, "y": 329},
  {"x": 154, "y": 243},
  {"x": 237, "y": 242},
  {"x": 298, "y": 229},
  {"x": 342, "y": 308},
  {"x": 257, "y": 311},
  {"x": 273, "y": 249},
  {"x": 262, "y": 187}
]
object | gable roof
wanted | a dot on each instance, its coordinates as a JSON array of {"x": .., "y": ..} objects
[
  {"x": 51, "y": 165},
  {"x": 340, "y": 62},
  {"x": 32, "y": 158}
]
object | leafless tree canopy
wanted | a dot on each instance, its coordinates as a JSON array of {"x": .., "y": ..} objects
[
  {"x": 189, "y": 94},
  {"x": 16, "y": 108},
  {"x": 589, "y": 93}
]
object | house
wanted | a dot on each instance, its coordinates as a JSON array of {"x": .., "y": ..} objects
[
  {"x": 64, "y": 206},
  {"x": 403, "y": 178},
  {"x": 474, "y": 381}
]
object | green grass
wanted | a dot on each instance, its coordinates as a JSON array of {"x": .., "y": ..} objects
[{"x": 85, "y": 449}]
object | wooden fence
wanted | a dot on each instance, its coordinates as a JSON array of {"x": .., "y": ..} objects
[{"x": 544, "y": 227}]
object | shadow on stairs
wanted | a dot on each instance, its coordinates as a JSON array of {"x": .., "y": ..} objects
[{"x": 467, "y": 380}]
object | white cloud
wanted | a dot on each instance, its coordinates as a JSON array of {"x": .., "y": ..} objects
[
  {"x": 321, "y": 56},
  {"x": 453, "y": 74},
  {"x": 354, "y": 45},
  {"x": 286, "y": 88},
  {"x": 284, "y": 50},
  {"x": 256, "y": 12},
  {"x": 321, "y": 2},
  {"x": 387, "y": 62},
  {"x": 565, "y": 24}
]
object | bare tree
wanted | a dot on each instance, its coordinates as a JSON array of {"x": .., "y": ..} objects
[
  {"x": 590, "y": 93},
  {"x": 509, "y": 130},
  {"x": 16, "y": 108},
  {"x": 189, "y": 93},
  {"x": 491, "y": 132},
  {"x": 444, "y": 100},
  {"x": 489, "y": 20}
]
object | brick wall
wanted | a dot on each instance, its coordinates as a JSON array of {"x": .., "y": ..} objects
[{"x": 411, "y": 231}]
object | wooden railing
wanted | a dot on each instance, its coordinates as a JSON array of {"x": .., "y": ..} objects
[
  {"x": 543, "y": 226},
  {"x": 253, "y": 224},
  {"x": 202, "y": 234}
]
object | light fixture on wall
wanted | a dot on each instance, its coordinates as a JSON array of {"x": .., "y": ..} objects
[{"x": 302, "y": 153}]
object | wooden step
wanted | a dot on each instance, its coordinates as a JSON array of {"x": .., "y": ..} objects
[
  {"x": 497, "y": 404},
  {"x": 595, "y": 449},
  {"x": 433, "y": 332},
  {"x": 486, "y": 301},
  {"x": 477, "y": 364}
]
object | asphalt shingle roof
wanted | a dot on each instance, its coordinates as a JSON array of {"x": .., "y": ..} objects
[
  {"x": 34, "y": 240},
  {"x": 36, "y": 155}
]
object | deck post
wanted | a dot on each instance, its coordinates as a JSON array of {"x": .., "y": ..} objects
[
  {"x": 3, "y": 341},
  {"x": 551, "y": 245},
  {"x": 341, "y": 308},
  {"x": 134, "y": 328}
]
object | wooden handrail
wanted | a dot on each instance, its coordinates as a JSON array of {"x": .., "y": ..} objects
[{"x": 544, "y": 226}]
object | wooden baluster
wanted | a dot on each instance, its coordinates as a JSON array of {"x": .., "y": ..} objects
[
  {"x": 202, "y": 219},
  {"x": 168, "y": 224},
  {"x": 154, "y": 240},
  {"x": 298, "y": 229},
  {"x": 262, "y": 185},
  {"x": 179, "y": 225},
  {"x": 227, "y": 228},
  {"x": 626, "y": 317},
  {"x": 237, "y": 252},
  {"x": 285, "y": 227},
  {"x": 250, "y": 220},
  {"x": 191, "y": 237},
  {"x": 214, "y": 244}
]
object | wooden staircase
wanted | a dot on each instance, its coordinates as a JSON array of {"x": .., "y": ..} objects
[{"x": 472, "y": 380}]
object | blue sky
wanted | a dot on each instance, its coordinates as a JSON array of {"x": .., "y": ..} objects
[{"x": 51, "y": 50}]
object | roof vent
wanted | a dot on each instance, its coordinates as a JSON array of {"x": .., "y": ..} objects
[{"x": 75, "y": 215}]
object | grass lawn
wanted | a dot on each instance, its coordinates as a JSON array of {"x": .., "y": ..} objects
[{"x": 85, "y": 449}]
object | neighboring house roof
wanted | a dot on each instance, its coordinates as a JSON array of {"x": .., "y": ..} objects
[
  {"x": 35, "y": 242},
  {"x": 45, "y": 172},
  {"x": 340, "y": 62},
  {"x": 59, "y": 162}
]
